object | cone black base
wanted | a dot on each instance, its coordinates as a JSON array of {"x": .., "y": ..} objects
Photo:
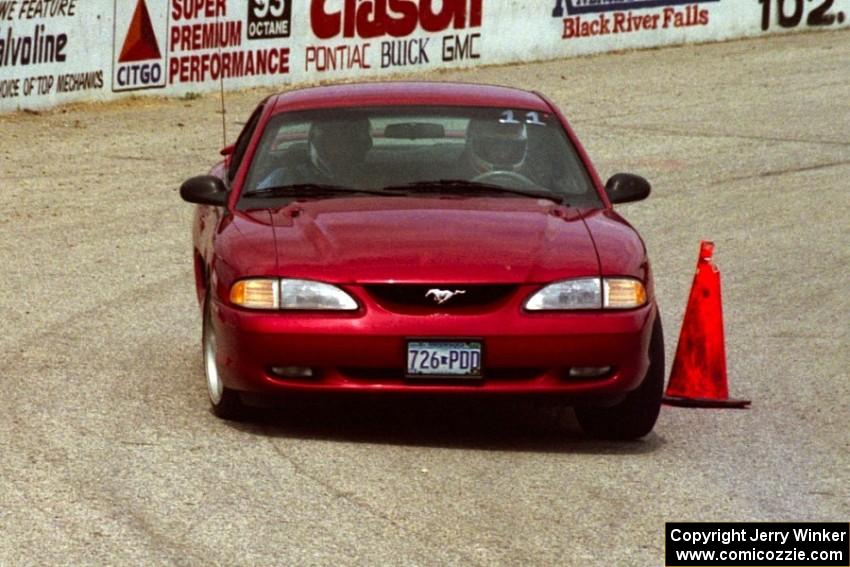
[{"x": 704, "y": 403}]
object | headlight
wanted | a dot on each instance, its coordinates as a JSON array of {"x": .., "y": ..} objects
[
  {"x": 307, "y": 294},
  {"x": 570, "y": 294},
  {"x": 267, "y": 293},
  {"x": 588, "y": 293}
]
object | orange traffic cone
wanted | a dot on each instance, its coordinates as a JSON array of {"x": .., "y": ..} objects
[{"x": 698, "y": 378}]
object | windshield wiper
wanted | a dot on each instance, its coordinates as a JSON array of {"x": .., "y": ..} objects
[
  {"x": 309, "y": 190},
  {"x": 467, "y": 186}
]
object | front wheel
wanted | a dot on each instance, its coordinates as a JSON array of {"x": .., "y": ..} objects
[
  {"x": 225, "y": 403},
  {"x": 636, "y": 415}
]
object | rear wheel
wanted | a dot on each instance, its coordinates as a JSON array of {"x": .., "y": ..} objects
[
  {"x": 636, "y": 415},
  {"x": 225, "y": 402}
]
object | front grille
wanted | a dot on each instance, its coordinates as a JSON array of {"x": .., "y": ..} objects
[{"x": 407, "y": 296}]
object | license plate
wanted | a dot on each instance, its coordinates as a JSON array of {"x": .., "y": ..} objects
[{"x": 447, "y": 359}]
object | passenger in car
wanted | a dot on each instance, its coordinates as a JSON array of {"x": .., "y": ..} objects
[{"x": 336, "y": 153}]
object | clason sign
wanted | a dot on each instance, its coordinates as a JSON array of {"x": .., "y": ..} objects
[
  {"x": 374, "y": 36},
  {"x": 58, "y": 51}
]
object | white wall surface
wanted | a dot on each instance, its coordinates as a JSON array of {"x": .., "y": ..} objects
[{"x": 54, "y": 52}]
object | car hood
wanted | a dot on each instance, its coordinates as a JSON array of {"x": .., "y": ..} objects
[{"x": 427, "y": 239}]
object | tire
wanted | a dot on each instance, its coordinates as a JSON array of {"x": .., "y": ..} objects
[
  {"x": 225, "y": 403},
  {"x": 636, "y": 415}
]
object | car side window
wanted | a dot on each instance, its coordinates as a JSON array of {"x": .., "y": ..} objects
[{"x": 242, "y": 142}]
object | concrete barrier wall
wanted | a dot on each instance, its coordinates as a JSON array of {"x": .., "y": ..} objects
[{"x": 59, "y": 51}]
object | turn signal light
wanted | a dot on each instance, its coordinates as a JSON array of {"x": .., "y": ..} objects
[
  {"x": 623, "y": 293},
  {"x": 256, "y": 294}
]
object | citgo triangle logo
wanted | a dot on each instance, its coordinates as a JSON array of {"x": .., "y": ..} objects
[
  {"x": 140, "y": 44},
  {"x": 139, "y": 59}
]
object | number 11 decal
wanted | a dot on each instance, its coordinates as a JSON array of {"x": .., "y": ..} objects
[{"x": 531, "y": 117}]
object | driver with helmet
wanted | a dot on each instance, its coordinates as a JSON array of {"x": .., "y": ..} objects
[
  {"x": 494, "y": 146},
  {"x": 337, "y": 149}
]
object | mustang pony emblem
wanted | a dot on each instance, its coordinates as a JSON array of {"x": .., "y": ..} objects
[{"x": 443, "y": 295}]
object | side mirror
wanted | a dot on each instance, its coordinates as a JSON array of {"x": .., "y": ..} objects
[
  {"x": 626, "y": 187},
  {"x": 204, "y": 190}
]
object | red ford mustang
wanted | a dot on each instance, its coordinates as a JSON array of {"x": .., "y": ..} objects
[{"x": 424, "y": 238}]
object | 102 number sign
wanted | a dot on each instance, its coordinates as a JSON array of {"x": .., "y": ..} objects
[{"x": 790, "y": 13}]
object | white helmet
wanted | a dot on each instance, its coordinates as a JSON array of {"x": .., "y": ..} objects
[{"x": 495, "y": 145}]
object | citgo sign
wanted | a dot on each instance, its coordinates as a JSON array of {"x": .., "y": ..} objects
[{"x": 138, "y": 60}]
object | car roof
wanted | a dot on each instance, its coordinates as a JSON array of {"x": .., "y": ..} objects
[{"x": 406, "y": 93}]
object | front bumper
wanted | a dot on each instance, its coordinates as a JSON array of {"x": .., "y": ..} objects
[{"x": 523, "y": 353}]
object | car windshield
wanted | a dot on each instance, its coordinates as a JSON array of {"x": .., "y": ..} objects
[{"x": 416, "y": 150}]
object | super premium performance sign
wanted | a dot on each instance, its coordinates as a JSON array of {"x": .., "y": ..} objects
[{"x": 160, "y": 43}]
